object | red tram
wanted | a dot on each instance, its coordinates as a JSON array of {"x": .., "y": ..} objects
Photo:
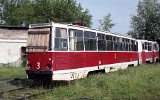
[{"x": 68, "y": 52}]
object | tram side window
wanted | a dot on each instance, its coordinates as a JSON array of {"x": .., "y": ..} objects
[
  {"x": 134, "y": 45},
  {"x": 155, "y": 47},
  {"x": 130, "y": 45},
  {"x": 76, "y": 40},
  {"x": 149, "y": 47},
  {"x": 120, "y": 44},
  {"x": 116, "y": 44},
  {"x": 123, "y": 44},
  {"x": 127, "y": 45},
  {"x": 109, "y": 42},
  {"x": 101, "y": 42},
  {"x": 143, "y": 46},
  {"x": 90, "y": 40},
  {"x": 146, "y": 46},
  {"x": 61, "y": 39}
]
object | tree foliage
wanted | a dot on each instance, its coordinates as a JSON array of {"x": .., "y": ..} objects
[
  {"x": 106, "y": 23},
  {"x": 16, "y": 12},
  {"x": 146, "y": 24}
]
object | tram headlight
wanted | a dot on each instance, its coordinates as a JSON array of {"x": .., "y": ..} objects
[
  {"x": 48, "y": 66},
  {"x": 29, "y": 66}
]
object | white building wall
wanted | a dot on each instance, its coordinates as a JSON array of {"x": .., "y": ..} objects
[{"x": 10, "y": 50}]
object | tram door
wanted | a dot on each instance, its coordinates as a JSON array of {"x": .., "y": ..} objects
[
  {"x": 159, "y": 47},
  {"x": 141, "y": 52},
  {"x": 153, "y": 53}
]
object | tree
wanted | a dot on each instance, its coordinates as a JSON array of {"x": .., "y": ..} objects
[
  {"x": 16, "y": 12},
  {"x": 106, "y": 23},
  {"x": 1, "y": 11},
  {"x": 146, "y": 24}
]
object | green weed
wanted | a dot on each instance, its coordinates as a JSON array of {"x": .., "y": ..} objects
[
  {"x": 9, "y": 72},
  {"x": 138, "y": 83}
]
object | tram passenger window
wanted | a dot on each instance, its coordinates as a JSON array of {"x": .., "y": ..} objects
[
  {"x": 143, "y": 47},
  {"x": 127, "y": 46},
  {"x": 76, "y": 40},
  {"x": 112, "y": 46},
  {"x": 149, "y": 47},
  {"x": 133, "y": 45},
  {"x": 146, "y": 46},
  {"x": 114, "y": 43},
  {"x": 101, "y": 42},
  {"x": 155, "y": 47},
  {"x": 136, "y": 46},
  {"x": 130, "y": 45},
  {"x": 61, "y": 39},
  {"x": 120, "y": 46},
  {"x": 109, "y": 43},
  {"x": 114, "y": 38},
  {"x": 115, "y": 46},
  {"x": 90, "y": 40},
  {"x": 107, "y": 37},
  {"x": 123, "y": 46},
  {"x": 109, "y": 47}
]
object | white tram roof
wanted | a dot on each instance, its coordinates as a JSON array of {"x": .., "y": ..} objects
[
  {"x": 147, "y": 41},
  {"x": 52, "y": 24}
]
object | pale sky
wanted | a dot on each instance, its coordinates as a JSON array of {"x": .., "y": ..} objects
[{"x": 121, "y": 11}]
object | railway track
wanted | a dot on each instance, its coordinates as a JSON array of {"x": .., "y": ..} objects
[
  {"x": 13, "y": 84},
  {"x": 21, "y": 89},
  {"x": 22, "y": 94},
  {"x": 4, "y": 81}
]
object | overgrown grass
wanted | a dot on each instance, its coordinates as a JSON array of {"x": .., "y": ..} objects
[
  {"x": 9, "y": 72},
  {"x": 138, "y": 83}
]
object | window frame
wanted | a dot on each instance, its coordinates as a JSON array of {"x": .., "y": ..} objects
[
  {"x": 75, "y": 37},
  {"x": 60, "y": 40},
  {"x": 89, "y": 40}
]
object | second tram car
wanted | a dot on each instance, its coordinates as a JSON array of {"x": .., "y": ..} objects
[
  {"x": 68, "y": 52},
  {"x": 148, "y": 51}
]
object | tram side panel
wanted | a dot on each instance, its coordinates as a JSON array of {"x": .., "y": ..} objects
[
  {"x": 122, "y": 59},
  {"x": 74, "y": 60}
]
